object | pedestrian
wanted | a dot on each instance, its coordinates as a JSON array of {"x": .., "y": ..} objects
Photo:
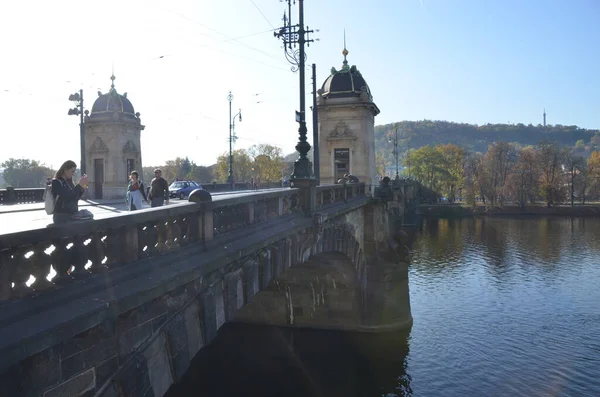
[
  {"x": 159, "y": 190},
  {"x": 66, "y": 197},
  {"x": 135, "y": 192},
  {"x": 66, "y": 194}
]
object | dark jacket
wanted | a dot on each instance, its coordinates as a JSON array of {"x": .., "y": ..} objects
[
  {"x": 159, "y": 187},
  {"x": 140, "y": 187},
  {"x": 68, "y": 196}
]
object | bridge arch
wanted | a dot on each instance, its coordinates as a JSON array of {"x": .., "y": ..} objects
[{"x": 323, "y": 286}]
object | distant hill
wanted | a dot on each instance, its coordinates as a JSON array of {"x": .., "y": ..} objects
[{"x": 477, "y": 138}]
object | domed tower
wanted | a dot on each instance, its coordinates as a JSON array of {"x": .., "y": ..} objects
[
  {"x": 112, "y": 139},
  {"x": 346, "y": 126}
]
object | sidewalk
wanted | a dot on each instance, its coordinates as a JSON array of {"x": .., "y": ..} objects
[{"x": 40, "y": 206}]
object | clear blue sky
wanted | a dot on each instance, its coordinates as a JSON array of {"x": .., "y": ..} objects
[{"x": 473, "y": 61}]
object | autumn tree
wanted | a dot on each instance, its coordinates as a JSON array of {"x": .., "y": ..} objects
[
  {"x": 200, "y": 173},
  {"x": 524, "y": 176},
  {"x": 574, "y": 167},
  {"x": 268, "y": 162},
  {"x": 380, "y": 163},
  {"x": 454, "y": 158},
  {"x": 497, "y": 163},
  {"x": 26, "y": 173},
  {"x": 591, "y": 176},
  {"x": 428, "y": 166},
  {"x": 242, "y": 167},
  {"x": 471, "y": 183},
  {"x": 549, "y": 161}
]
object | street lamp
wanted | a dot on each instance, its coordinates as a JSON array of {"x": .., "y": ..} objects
[
  {"x": 294, "y": 35},
  {"x": 232, "y": 136},
  {"x": 395, "y": 152},
  {"x": 77, "y": 99}
]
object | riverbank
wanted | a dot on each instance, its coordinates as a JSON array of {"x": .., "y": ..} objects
[{"x": 459, "y": 210}]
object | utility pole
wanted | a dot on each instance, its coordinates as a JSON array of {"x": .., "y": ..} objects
[
  {"x": 315, "y": 121},
  {"x": 296, "y": 36},
  {"x": 77, "y": 98},
  {"x": 230, "y": 175}
]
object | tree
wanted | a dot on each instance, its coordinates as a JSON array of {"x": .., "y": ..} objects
[
  {"x": 380, "y": 163},
  {"x": 592, "y": 175},
  {"x": 25, "y": 173},
  {"x": 497, "y": 163},
  {"x": 428, "y": 166},
  {"x": 454, "y": 160},
  {"x": 549, "y": 163},
  {"x": 200, "y": 173},
  {"x": 471, "y": 184},
  {"x": 574, "y": 165},
  {"x": 523, "y": 179},
  {"x": 185, "y": 168},
  {"x": 242, "y": 166},
  {"x": 268, "y": 162}
]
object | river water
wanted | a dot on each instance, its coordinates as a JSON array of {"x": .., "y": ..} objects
[{"x": 501, "y": 307}]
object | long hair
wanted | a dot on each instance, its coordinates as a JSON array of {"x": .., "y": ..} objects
[{"x": 67, "y": 165}]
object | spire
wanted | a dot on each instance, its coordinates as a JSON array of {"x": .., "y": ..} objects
[
  {"x": 112, "y": 78},
  {"x": 345, "y": 52}
]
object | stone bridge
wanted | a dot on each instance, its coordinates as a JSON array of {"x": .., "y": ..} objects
[{"x": 119, "y": 306}]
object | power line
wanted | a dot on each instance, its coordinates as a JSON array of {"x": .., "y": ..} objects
[
  {"x": 261, "y": 13},
  {"x": 229, "y": 38}
]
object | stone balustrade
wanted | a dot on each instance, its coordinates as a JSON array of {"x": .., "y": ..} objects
[
  {"x": 11, "y": 195},
  {"x": 38, "y": 260}
]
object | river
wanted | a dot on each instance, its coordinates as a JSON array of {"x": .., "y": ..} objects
[{"x": 501, "y": 307}]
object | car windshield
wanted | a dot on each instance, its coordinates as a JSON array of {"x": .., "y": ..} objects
[{"x": 176, "y": 185}]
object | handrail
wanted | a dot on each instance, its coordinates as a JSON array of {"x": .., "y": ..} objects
[{"x": 36, "y": 260}]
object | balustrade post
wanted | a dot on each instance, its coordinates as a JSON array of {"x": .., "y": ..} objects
[
  {"x": 281, "y": 207},
  {"x": 251, "y": 213},
  {"x": 12, "y": 196},
  {"x": 130, "y": 252},
  {"x": 5, "y": 276},
  {"x": 207, "y": 225}
]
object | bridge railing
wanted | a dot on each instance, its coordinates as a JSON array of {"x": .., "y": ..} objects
[
  {"x": 42, "y": 259},
  {"x": 11, "y": 195}
]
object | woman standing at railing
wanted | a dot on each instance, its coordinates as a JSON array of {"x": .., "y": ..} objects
[
  {"x": 135, "y": 192},
  {"x": 67, "y": 195}
]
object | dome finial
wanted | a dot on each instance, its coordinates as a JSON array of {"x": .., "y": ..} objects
[
  {"x": 112, "y": 78},
  {"x": 345, "y": 52}
]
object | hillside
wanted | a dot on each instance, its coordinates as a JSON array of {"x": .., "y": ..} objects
[{"x": 474, "y": 138}]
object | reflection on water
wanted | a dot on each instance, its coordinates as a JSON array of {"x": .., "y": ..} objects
[
  {"x": 501, "y": 307},
  {"x": 272, "y": 361},
  {"x": 506, "y": 307}
]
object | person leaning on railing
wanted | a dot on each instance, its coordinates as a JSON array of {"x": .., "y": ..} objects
[{"x": 66, "y": 193}]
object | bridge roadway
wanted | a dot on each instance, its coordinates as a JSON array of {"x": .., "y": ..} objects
[{"x": 32, "y": 216}]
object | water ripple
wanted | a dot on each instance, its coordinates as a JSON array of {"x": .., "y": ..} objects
[{"x": 506, "y": 307}]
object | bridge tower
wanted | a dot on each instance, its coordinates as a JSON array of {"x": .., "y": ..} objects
[
  {"x": 346, "y": 126},
  {"x": 112, "y": 136}
]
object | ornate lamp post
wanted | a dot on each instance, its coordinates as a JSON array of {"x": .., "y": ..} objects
[
  {"x": 232, "y": 136},
  {"x": 294, "y": 37},
  {"x": 77, "y": 99}
]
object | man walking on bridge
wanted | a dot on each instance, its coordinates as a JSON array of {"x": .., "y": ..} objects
[{"x": 159, "y": 190}]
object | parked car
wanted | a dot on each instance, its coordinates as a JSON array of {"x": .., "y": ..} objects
[{"x": 182, "y": 189}]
